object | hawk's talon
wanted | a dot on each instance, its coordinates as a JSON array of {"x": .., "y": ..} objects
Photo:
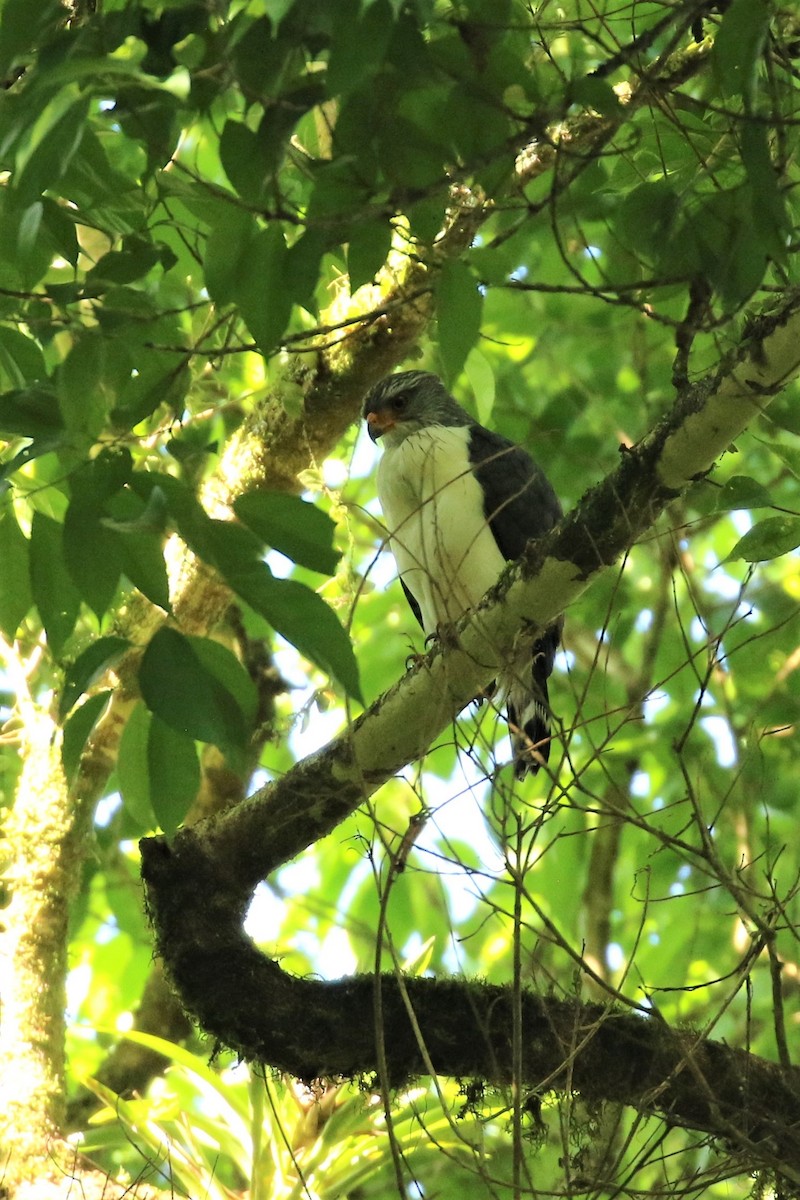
[{"x": 414, "y": 660}]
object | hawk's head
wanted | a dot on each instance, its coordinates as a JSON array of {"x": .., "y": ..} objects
[{"x": 404, "y": 403}]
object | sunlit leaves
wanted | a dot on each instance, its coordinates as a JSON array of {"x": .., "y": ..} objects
[{"x": 185, "y": 181}]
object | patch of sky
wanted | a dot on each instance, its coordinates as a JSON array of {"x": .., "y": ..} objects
[
  {"x": 644, "y": 620},
  {"x": 264, "y": 915},
  {"x": 335, "y": 473},
  {"x": 640, "y": 784},
  {"x": 79, "y": 981},
  {"x": 107, "y": 932},
  {"x": 592, "y": 252},
  {"x": 718, "y": 580},
  {"x": 719, "y": 731},
  {"x": 279, "y": 564},
  {"x": 655, "y": 703},
  {"x": 519, "y": 273},
  {"x": 615, "y": 956},
  {"x": 106, "y": 810}
]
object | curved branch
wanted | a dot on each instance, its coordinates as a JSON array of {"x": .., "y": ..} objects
[{"x": 199, "y": 886}]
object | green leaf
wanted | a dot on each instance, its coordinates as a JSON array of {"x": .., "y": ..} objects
[
  {"x": 92, "y": 550},
  {"x": 769, "y": 213},
  {"x": 185, "y": 510},
  {"x": 360, "y": 38},
  {"x": 789, "y": 456},
  {"x": 124, "y": 266},
  {"x": 87, "y": 668},
  {"x": 133, "y": 774},
  {"x": 141, "y": 525},
  {"x": 241, "y": 157},
  {"x": 54, "y": 593},
  {"x": 595, "y": 93},
  {"x": 77, "y": 729},
  {"x": 460, "y": 306},
  {"x": 160, "y": 381},
  {"x": 646, "y": 216},
  {"x": 15, "y": 588},
  {"x": 21, "y": 359},
  {"x": 22, "y": 26},
  {"x": 93, "y": 555},
  {"x": 143, "y": 564},
  {"x": 302, "y": 269},
  {"x": 767, "y": 539},
  {"x": 738, "y": 48},
  {"x": 227, "y": 252},
  {"x": 741, "y": 492},
  {"x": 50, "y": 145},
  {"x": 32, "y": 412},
  {"x": 177, "y": 687},
  {"x": 80, "y": 394},
  {"x": 262, "y": 290},
  {"x": 481, "y": 379},
  {"x": 367, "y": 250},
  {"x": 173, "y": 770},
  {"x": 298, "y": 529},
  {"x": 223, "y": 664},
  {"x": 304, "y": 619}
]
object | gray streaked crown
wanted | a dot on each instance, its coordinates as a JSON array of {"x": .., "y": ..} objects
[{"x": 416, "y": 396}]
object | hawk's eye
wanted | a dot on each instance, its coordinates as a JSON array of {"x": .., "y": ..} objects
[{"x": 399, "y": 403}]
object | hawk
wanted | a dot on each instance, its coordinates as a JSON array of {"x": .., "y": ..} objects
[{"x": 460, "y": 502}]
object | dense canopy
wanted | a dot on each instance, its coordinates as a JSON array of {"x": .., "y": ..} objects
[{"x": 221, "y": 223}]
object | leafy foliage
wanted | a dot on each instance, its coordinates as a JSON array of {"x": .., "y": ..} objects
[{"x": 218, "y": 224}]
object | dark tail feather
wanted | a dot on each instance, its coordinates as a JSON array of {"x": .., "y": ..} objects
[{"x": 530, "y": 724}]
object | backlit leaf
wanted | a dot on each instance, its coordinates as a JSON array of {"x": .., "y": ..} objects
[
  {"x": 304, "y": 619},
  {"x": 459, "y": 308},
  {"x": 177, "y": 687},
  {"x": 15, "y": 587},
  {"x": 174, "y": 774},
  {"x": 87, "y": 668},
  {"x": 298, "y": 529},
  {"x": 768, "y": 539},
  {"x": 54, "y": 593}
]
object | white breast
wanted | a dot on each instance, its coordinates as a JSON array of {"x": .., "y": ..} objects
[{"x": 433, "y": 507}]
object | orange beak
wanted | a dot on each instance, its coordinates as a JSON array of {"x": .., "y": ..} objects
[{"x": 378, "y": 423}]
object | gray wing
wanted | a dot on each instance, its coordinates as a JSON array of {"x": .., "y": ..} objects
[{"x": 519, "y": 504}]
